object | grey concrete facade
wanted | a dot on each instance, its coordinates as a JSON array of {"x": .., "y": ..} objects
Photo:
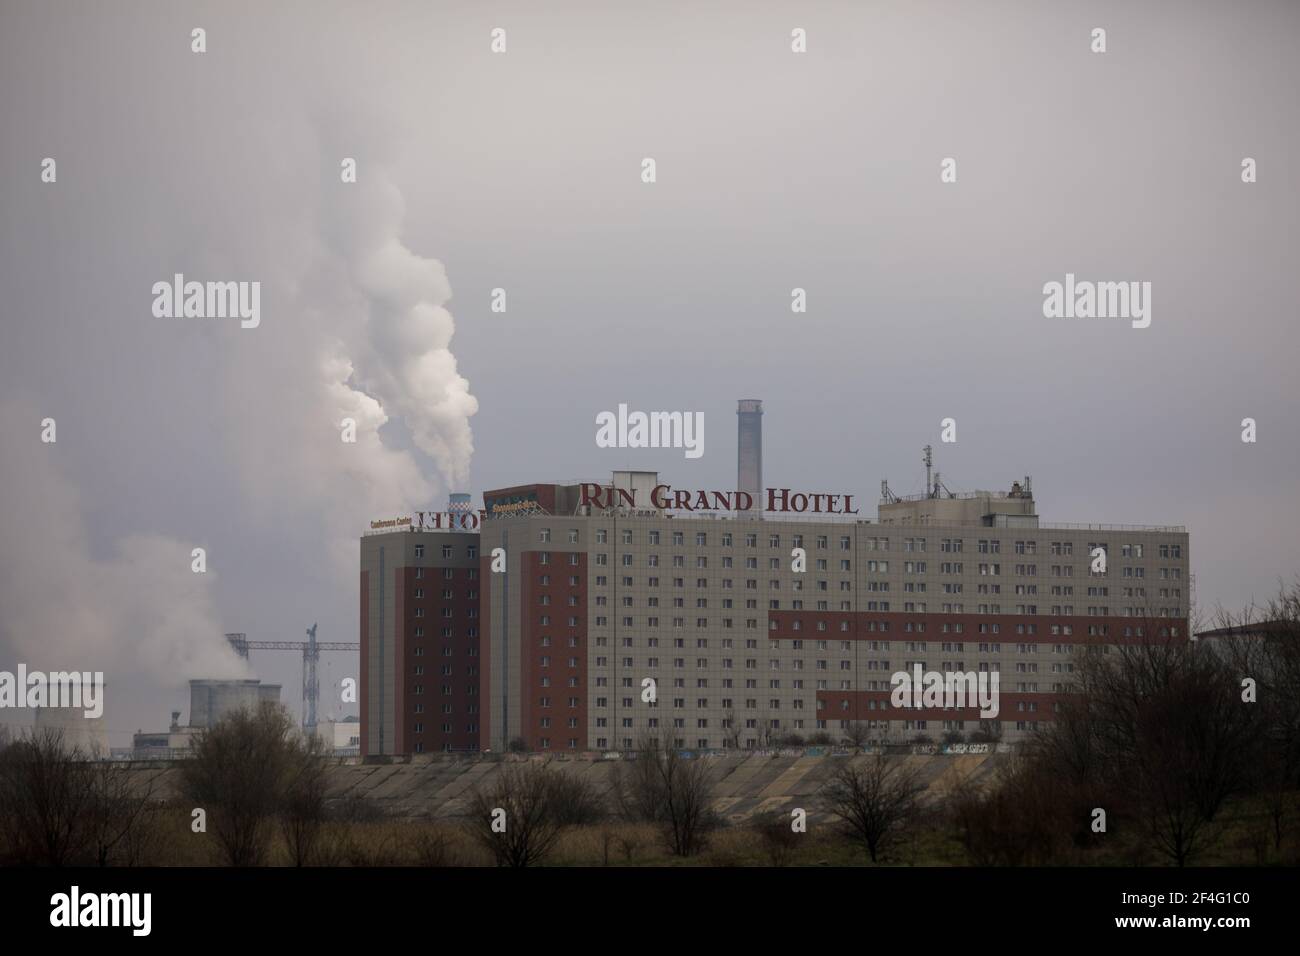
[
  {"x": 745, "y": 651},
  {"x": 688, "y": 602}
]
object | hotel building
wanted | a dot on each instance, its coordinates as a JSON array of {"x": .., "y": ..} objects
[{"x": 589, "y": 605}]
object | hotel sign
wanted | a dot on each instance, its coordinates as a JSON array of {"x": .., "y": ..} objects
[
  {"x": 665, "y": 497},
  {"x": 451, "y": 520},
  {"x": 513, "y": 504}
]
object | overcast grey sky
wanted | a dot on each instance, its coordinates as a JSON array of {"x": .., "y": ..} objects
[{"x": 522, "y": 171}]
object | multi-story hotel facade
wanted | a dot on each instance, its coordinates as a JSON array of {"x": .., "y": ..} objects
[{"x": 610, "y": 619}]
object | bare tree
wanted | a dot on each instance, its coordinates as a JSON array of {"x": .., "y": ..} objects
[
  {"x": 61, "y": 805},
  {"x": 120, "y": 812},
  {"x": 1264, "y": 645},
  {"x": 1155, "y": 732},
  {"x": 731, "y": 730},
  {"x": 575, "y": 800},
  {"x": 45, "y": 793},
  {"x": 302, "y": 810},
  {"x": 1170, "y": 804},
  {"x": 1167, "y": 716},
  {"x": 1011, "y": 820},
  {"x": 516, "y": 819},
  {"x": 857, "y": 735},
  {"x": 243, "y": 771},
  {"x": 674, "y": 792},
  {"x": 873, "y": 798}
]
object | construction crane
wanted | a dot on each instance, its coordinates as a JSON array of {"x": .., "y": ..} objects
[{"x": 311, "y": 649}]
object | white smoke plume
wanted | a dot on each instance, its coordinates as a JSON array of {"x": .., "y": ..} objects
[
  {"x": 402, "y": 356},
  {"x": 137, "y": 612},
  {"x": 237, "y": 431},
  {"x": 360, "y": 331}
]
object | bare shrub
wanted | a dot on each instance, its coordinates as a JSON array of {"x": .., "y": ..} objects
[
  {"x": 434, "y": 847},
  {"x": 60, "y": 805},
  {"x": 777, "y": 837},
  {"x": 629, "y": 842},
  {"x": 121, "y": 814},
  {"x": 1007, "y": 821},
  {"x": 857, "y": 734},
  {"x": 244, "y": 771},
  {"x": 672, "y": 791},
  {"x": 356, "y": 808},
  {"x": 873, "y": 799},
  {"x": 526, "y": 832},
  {"x": 45, "y": 796},
  {"x": 575, "y": 800},
  {"x": 302, "y": 813}
]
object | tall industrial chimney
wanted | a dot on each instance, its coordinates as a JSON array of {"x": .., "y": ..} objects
[
  {"x": 459, "y": 509},
  {"x": 749, "y": 451}
]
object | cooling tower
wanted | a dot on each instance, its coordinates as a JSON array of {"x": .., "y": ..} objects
[
  {"x": 211, "y": 700},
  {"x": 89, "y": 734}
]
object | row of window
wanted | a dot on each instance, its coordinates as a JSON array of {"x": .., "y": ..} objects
[
  {"x": 1021, "y": 610},
  {"x": 471, "y": 551},
  {"x": 822, "y": 542},
  {"x": 418, "y": 631},
  {"x": 1025, "y": 647},
  {"x": 909, "y": 587},
  {"x": 679, "y": 663},
  {"x": 951, "y": 568},
  {"x": 449, "y": 574}
]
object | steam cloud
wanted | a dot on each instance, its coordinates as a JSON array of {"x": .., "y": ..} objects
[
  {"x": 364, "y": 334},
  {"x": 237, "y": 431},
  {"x": 138, "y": 611},
  {"x": 404, "y": 358}
]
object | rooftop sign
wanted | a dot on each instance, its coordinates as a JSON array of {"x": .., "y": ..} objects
[{"x": 665, "y": 497}]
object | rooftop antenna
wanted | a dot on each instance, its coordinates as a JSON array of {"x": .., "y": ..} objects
[{"x": 929, "y": 460}]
